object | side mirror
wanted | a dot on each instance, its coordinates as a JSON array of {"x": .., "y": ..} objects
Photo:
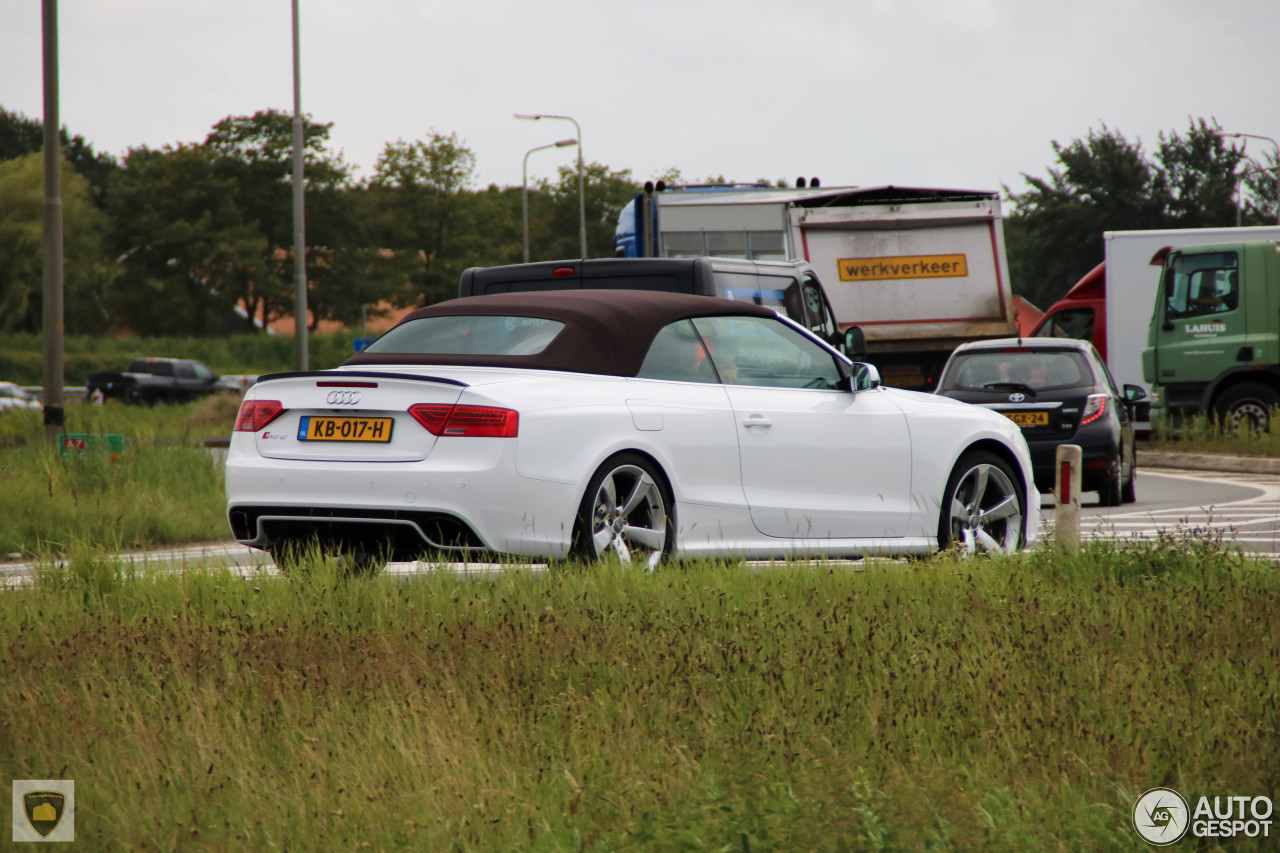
[
  {"x": 863, "y": 377},
  {"x": 853, "y": 343},
  {"x": 1134, "y": 393}
]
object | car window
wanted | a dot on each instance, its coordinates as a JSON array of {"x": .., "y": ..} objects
[
  {"x": 820, "y": 321},
  {"x": 677, "y": 354},
  {"x": 469, "y": 335},
  {"x": 769, "y": 291},
  {"x": 976, "y": 371},
  {"x": 1071, "y": 323},
  {"x": 763, "y": 351},
  {"x": 203, "y": 373}
]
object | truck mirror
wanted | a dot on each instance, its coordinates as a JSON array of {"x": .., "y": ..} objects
[{"x": 854, "y": 343}]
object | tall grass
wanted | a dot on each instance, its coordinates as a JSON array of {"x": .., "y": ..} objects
[
  {"x": 165, "y": 488},
  {"x": 1205, "y": 433},
  {"x": 1014, "y": 704}
]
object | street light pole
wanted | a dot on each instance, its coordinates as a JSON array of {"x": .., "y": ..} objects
[
  {"x": 54, "y": 277},
  {"x": 582, "y": 202},
  {"x": 299, "y": 206},
  {"x": 1277, "y": 167},
  {"x": 524, "y": 186}
]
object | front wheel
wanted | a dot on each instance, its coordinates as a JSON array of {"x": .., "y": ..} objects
[
  {"x": 1249, "y": 404},
  {"x": 626, "y": 510},
  {"x": 982, "y": 508}
]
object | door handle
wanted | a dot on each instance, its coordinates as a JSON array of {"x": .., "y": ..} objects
[{"x": 756, "y": 421}]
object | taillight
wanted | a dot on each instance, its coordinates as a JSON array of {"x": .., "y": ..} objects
[
  {"x": 1094, "y": 408},
  {"x": 255, "y": 414},
  {"x": 445, "y": 420}
]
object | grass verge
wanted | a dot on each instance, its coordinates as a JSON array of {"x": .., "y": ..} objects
[
  {"x": 1204, "y": 433},
  {"x": 166, "y": 488},
  {"x": 1012, "y": 704}
]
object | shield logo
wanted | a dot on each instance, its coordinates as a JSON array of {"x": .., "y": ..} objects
[
  {"x": 1017, "y": 398},
  {"x": 44, "y": 810}
]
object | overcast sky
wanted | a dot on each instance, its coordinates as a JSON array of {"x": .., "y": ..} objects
[{"x": 945, "y": 93}]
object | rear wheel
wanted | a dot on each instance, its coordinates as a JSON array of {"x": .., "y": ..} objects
[
  {"x": 626, "y": 510},
  {"x": 982, "y": 507},
  {"x": 1248, "y": 404},
  {"x": 1129, "y": 491},
  {"x": 1111, "y": 490}
]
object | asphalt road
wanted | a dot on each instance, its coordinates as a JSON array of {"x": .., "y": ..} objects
[{"x": 1242, "y": 508}]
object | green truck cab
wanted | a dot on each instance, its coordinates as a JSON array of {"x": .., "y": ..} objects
[{"x": 1213, "y": 344}]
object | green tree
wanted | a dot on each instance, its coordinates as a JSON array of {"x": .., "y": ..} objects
[
  {"x": 554, "y": 230},
  {"x": 87, "y": 270},
  {"x": 1054, "y": 234},
  {"x": 1201, "y": 175},
  {"x": 20, "y": 136},
  {"x": 256, "y": 153},
  {"x": 209, "y": 226},
  {"x": 188, "y": 248},
  {"x": 1106, "y": 183},
  {"x": 419, "y": 189}
]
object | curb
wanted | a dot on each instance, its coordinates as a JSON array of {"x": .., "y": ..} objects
[{"x": 1209, "y": 462}]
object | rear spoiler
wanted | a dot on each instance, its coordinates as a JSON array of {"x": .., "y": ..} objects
[{"x": 339, "y": 375}]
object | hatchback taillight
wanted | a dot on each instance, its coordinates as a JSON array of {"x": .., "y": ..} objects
[
  {"x": 255, "y": 414},
  {"x": 488, "y": 421},
  {"x": 1094, "y": 408}
]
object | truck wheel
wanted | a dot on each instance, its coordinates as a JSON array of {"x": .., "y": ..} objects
[{"x": 1247, "y": 402}]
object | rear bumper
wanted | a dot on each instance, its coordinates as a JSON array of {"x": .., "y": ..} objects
[
  {"x": 466, "y": 496},
  {"x": 1099, "y": 454}
]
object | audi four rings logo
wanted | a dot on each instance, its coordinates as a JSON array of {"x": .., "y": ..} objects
[
  {"x": 343, "y": 398},
  {"x": 1017, "y": 398}
]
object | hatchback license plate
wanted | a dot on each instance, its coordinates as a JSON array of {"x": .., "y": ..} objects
[
  {"x": 1028, "y": 418},
  {"x": 344, "y": 429}
]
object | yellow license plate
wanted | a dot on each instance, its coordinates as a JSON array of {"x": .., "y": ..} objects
[
  {"x": 1028, "y": 418},
  {"x": 344, "y": 429}
]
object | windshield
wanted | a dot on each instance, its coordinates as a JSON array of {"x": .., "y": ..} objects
[
  {"x": 1199, "y": 284},
  {"x": 1035, "y": 369}
]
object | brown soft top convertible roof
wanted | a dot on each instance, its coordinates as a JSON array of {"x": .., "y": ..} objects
[{"x": 606, "y": 331}]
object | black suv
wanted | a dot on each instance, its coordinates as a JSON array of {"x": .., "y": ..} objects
[{"x": 789, "y": 287}]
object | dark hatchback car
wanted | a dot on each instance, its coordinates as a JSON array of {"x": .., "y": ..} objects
[{"x": 1060, "y": 392}]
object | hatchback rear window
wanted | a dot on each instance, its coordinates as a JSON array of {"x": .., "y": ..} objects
[
  {"x": 469, "y": 335},
  {"x": 979, "y": 371}
]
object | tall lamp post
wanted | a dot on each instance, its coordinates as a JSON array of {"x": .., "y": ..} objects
[
  {"x": 52, "y": 232},
  {"x": 1277, "y": 147},
  {"x": 524, "y": 186},
  {"x": 299, "y": 205},
  {"x": 582, "y": 202}
]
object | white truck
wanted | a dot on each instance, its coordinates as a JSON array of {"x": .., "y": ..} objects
[
  {"x": 920, "y": 270},
  {"x": 1113, "y": 304}
]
